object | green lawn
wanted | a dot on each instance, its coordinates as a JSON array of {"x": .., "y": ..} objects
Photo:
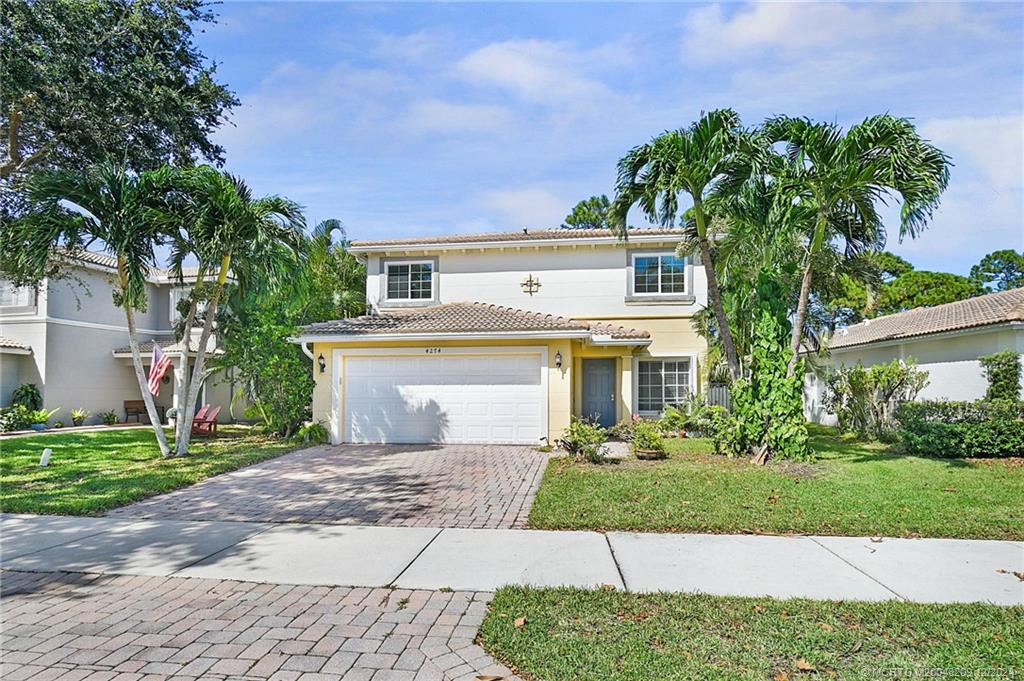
[
  {"x": 573, "y": 634},
  {"x": 93, "y": 472},
  {"x": 852, "y": 489}
]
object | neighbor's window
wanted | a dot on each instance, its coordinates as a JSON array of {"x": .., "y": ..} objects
[
  {"x": 410, "y": 281},
  {"x": 659, "y": 273},
  {"x": 16, "y": 296},
  {"x": 661, "y": 383}
]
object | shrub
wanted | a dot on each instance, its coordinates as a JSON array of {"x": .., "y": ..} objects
[
  {"x": 78, "y": 416},
  {"x": 864, "y": 400},
  {"x": 707, "y": 421},
  {"x": 647, "y": 441},
  {"x": 27, "y": 394},
  {"x": 673, "y": 420},
  {"x": 109, "y": 417},
  {"x": 1002, "y": 370},
  {"x": 312, "y": 434},
  {"x": 583, "y": 439},
  {"x": 962, "y": 429},
  {"x": 41, "y": 415},
  {"x": 623, "y": 430},
  {"x": 58, "y": 424},
  {"x": 15, "y": 417}
]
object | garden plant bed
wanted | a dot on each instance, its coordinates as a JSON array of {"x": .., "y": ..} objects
[
  {"x": 92, "y": 472},
  {"x": 853, "y": 488},
  {"x": 564, "y": 634}
]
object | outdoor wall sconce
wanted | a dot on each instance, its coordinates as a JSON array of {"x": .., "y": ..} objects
[
  {"x": 321, "y": 362},
  {"x": 558, "y": 360}
]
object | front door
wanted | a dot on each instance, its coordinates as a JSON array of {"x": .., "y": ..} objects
[{"x": 599, "y": 391}]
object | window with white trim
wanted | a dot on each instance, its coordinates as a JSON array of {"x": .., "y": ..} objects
[
  {"x": 659, "y": 274},
  {"x": 410, "y": 280},
  {"x": 662, "y": 383}
]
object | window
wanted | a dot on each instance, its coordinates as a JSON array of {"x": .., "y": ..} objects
[
  {"x": 410, "y": 281},
  {"x": 16, "y": 296},
  {"x": 659, "y": 274},
  {"x": 661, "y": 383}
]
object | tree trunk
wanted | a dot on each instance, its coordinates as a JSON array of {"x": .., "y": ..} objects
[
  {"x": 715, "y": 293},
  {"x": 186, "y": 339},
  {"x": 801, "y": 314},
  {"x": 140, "y": 372},
  {"x": 193, "y": 393}
]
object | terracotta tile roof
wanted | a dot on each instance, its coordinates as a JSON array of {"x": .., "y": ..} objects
[
  {"x": 994, "y": 308},
  {"x": 523, "y": 235},
  {"x": 466, "y": 318},
  {"x": 12, "y": 344}
]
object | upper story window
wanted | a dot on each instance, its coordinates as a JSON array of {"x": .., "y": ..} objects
[
  {"x": 659, "y": 274},
  {"x": 12, "y": 296},
  {"x": 410, "y": 280}
]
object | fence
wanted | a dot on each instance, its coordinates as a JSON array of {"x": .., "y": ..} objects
[{"x": 718, "y": 395}]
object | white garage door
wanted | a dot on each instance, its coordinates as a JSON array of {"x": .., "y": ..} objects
[{"x": 444, "y": 398}]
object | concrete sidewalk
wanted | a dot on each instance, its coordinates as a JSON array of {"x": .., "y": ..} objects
[{"x": 849, "y": 568}]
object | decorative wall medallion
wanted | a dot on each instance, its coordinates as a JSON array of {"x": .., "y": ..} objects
[{"x": 530, "y": 285}]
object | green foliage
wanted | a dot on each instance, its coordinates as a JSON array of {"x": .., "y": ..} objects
[
  {"x": 674, "y": 419},
  {"x": 592, "y": 213},
  {"x": 58, "y": 424},
  {"x": 583, "y": 439},
  {"x": 924, "y": 289},
  {"x": 864, "y": 400},
  {"x": 312, "y": 434},
  {"x": 41, "y": 415},
  {"x": 78, "y": 416},
  {"x": 647, "y": 440},
  {"x": 1000, "y": 270},
  {"x": 28, "y": 395},
  {"x": 962, "y": 429},
  {"x": 109, "y": 418},
  {"x": 623, "y": 430},
  {"x": 119, "y": 79},
  {"x": 15, "y": 417},
  {"x": 767, "y": 415},
  {"x": 1003, "y": 371},
  {"x": 709, "y": 421}
]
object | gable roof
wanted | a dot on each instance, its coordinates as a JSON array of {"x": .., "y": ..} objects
[
  {"x": 994, "y": 308},
  {"x": 522, "y": 236},
  {"x": 470, "y": 319}
]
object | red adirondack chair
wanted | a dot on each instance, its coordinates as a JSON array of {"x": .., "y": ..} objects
[{"x": 207, "y": 425}]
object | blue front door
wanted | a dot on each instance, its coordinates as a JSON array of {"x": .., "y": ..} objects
[{"x": 599, "y": 391}]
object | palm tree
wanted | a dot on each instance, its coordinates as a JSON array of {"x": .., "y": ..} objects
[
  {"x": 230, "y": 232},
  {"x": 841, "y": 178},
  {"x": 712, "y": 156},
  {"x": 121, "y": 213}
]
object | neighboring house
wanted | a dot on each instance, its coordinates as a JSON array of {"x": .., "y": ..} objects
[
  {"x": 945, "y": 340},
  {"x": 69, "y": 339},
  {"x": 501, "y": 338}
]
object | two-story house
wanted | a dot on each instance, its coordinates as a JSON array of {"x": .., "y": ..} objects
[
  {"x": 501, "y": 338},
  {"x": 67, "y": 337}
]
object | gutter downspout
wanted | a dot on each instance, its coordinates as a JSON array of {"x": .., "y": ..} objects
[{"x": 306, "y": 351}]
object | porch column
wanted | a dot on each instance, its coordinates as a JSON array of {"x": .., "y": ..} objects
[{"x": 626, "y": 389}]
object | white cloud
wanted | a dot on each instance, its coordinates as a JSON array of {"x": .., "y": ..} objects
[
  {"x": 533, "y": 207},
  {"x": 541, "y": 71},
  {"x": 713, "y": 34},
  {"x": 994, "y": 145},
  {"x": 438, "y": 116}
]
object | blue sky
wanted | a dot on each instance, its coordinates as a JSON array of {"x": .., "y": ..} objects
[{"x": 411, "y": 119}]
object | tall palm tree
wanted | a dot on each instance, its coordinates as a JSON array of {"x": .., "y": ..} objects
[
  {"x": 710, "y": 157},
  {"x": 230, "y": 232},
  {"x": 119, "y": 212},
  {"x": 841, "y": 178}
]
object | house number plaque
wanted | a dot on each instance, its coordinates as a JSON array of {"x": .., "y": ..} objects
[{"x": 432, "y": 351}]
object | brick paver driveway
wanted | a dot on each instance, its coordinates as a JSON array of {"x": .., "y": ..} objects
[
  {"x": 98, "y": 627},
  {"x": 488, "y": 486}
]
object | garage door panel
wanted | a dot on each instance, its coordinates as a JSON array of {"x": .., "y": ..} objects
[{"x": 477, "y": 399}]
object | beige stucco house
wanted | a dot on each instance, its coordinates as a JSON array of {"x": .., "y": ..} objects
[
  {"x": 69, "y": 339},
  {"x": 945, "y": 340},
  {"x": 502, "y": 337}
]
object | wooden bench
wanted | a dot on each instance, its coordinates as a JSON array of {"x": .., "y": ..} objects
[{"x": 137, "y": 408}]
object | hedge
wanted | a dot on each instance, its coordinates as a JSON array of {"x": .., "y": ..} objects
[{"x": 962, "y": 429}]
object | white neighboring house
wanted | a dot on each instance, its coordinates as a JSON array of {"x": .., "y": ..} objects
[
  {"x": 946, "y": 340},
  {"x": 69, "y": 339}
]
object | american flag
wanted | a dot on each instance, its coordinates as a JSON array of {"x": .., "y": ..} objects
[{"x": 161, "y": 363}]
